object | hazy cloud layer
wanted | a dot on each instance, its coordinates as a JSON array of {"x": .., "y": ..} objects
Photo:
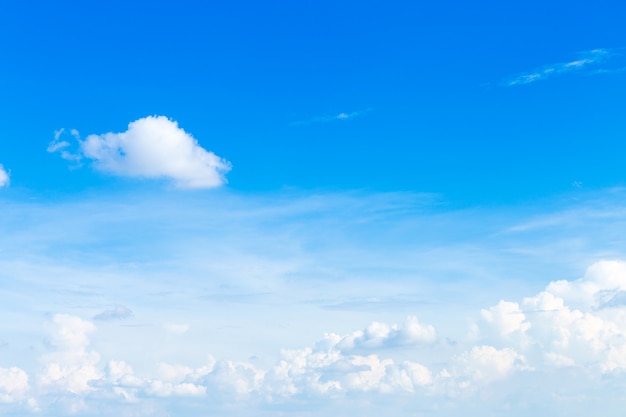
[
  {"x": 115, "y": 313},
  {"x": 152, "y": 147},
  {"x": 208, "y": 286}
]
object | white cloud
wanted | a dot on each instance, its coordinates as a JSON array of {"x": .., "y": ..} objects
[
  {"x": 4, "y": 177},
  {"x": 152, "y": 147},
  {"x": 328, "y": 372},
  {"x": 587, "y": 58},
  {"x": 486, "y": 364},
  {"x": 71, "y": 366},
  {"x": 506, "y": 317},
  {"x": 380, "y": 335},
  {"x": 578, "y": 323},
  {"x": 13, "y": 384}
]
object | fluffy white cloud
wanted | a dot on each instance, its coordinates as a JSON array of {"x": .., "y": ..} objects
[
  {"x": 316, "y": 372},
  {"x": 71, "y": 366},
  {"x": 152, "y": 147},
  {"x": 13, "y": 384},
  {"x": 571, "y": 323},
  {"x": 485, "y": 364},
  {"x": 379, "y": 335},
  {"x": 4, "y": 177}
]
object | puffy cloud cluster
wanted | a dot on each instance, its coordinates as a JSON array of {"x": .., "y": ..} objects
[
  {"x": 573, "y": 325},
  {"x": 486, "y": 364},
  {"x": 4, "y": 176},
  {"x": 380, "y": 335},
  {"x": 323, "y": 370},
  {"x": 328, "y": 372},
  {"x": 578, "y": 323},
  {"x": 152, "y": 147},
  {"x": 13, "y": 384},
  {"x": 71, "y": 367}
]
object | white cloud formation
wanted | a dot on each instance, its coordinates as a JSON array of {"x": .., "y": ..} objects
[
  {"x": 485, "y": 364},
  {"x": 13, "y": 384},
  {"x": 71, "y": 367},
  {"x": 587, "y": 58},
  {"x": 379, "y": 335},
  {"x": 4, "y": 176},
  {"x": 578, "y": 323},
  {"x": 329, "y": 372},
  {"x": 152, "y": 147}
]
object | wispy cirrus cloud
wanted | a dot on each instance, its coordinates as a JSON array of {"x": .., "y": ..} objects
[
  {"x": 586, "y": 61},
  {"x": 332, "y": 118},
  {"x": 116, "y": 313}
]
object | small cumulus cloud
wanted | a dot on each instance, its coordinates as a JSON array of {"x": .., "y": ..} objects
[
  {"x": 586, "y": 60},
  {"x": 381, "y": 335},
  {"x": 152, "y": 147},
  {"x": 4, "y": 176},
  {"x": 13, "y": 384}
]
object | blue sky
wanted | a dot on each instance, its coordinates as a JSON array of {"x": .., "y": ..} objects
[{"x": 301, "y": 209}]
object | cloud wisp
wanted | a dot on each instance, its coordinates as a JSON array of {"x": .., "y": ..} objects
[
  {"x": 586, "y": 61},
  {"x": 152, "y": 147},
  {"x": 116, "y": 313},
  {"x": 332, "y": 118}
]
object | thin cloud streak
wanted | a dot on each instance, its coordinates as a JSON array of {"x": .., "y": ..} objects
[
  {"x": 332, "y": 118},
  {"x": 587, "y": 59}
]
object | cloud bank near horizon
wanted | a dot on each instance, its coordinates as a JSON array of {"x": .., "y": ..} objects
[
  {"x": 574, "y": 328},
  {"x": 264, "y": 302}
]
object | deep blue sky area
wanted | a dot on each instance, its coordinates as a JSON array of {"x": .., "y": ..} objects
[{"x": 427, "y": 80}]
